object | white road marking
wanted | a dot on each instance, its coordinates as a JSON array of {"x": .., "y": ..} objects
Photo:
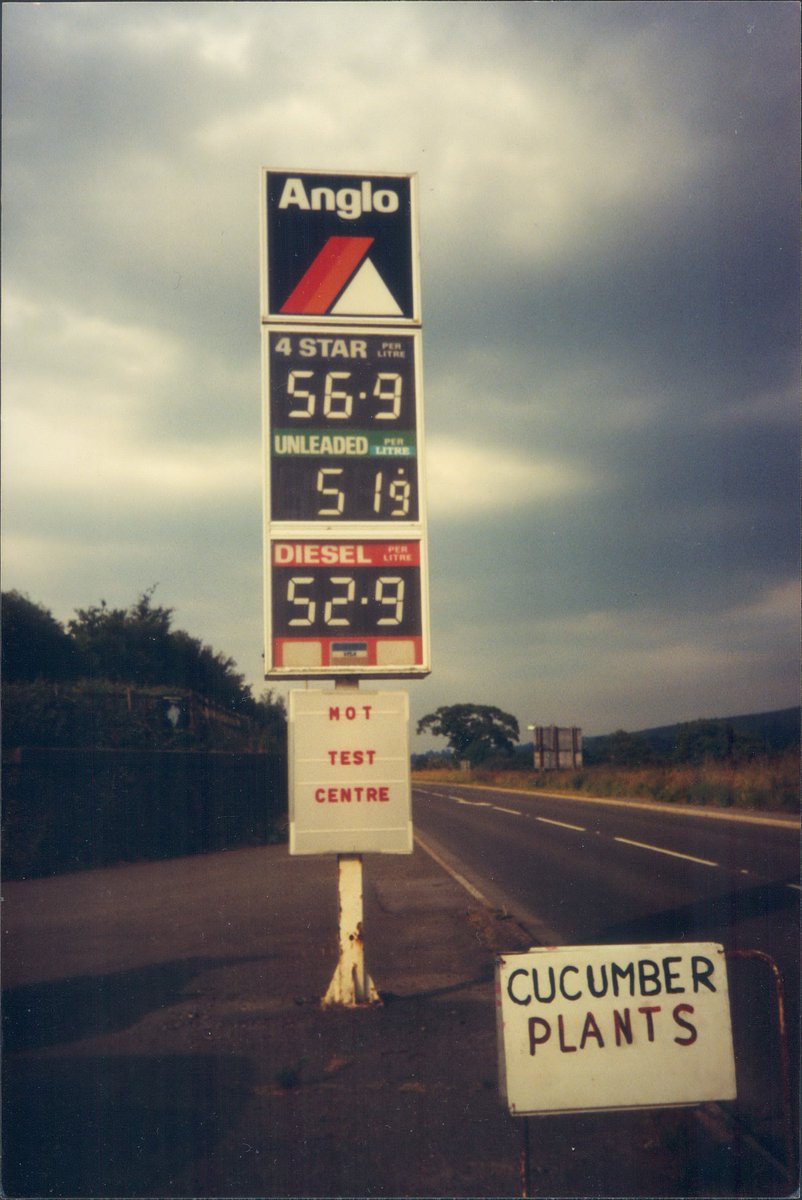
[
  {"x": 652, "y": 806},
  {"x": 515, "y": 812},
  {"x": 562, "y": 824},
  {"x": 706, "y": 862},
  {"x": 472, "y": 803},
  {"x": 794, "y": 887},
  {"x": 469, "y": 888}
]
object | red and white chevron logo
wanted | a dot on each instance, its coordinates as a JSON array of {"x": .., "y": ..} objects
[{"x": 342, "y": 280}]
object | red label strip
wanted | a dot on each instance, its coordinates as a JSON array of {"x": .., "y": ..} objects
[
  {"x": 327, "y": 276},
  {"x": 335, "y": 554}
]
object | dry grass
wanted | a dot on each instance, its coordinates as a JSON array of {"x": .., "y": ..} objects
[{"x": 762, "y": 784}]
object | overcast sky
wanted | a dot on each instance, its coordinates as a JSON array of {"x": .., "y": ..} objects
[{"x": 609, "y": 223}]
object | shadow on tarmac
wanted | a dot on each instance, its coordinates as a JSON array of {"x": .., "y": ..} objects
[
  {"x": 697, "y": 921},
  {"x": 115, "y": 1125},
  {"x": 66, "y": 1010}
]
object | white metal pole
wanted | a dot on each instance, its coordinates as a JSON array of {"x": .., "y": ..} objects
[{"x": 351, "y": 986}]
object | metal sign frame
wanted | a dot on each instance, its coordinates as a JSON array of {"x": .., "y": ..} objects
[
  {"x": 343, "y": 388},
  {"x": 360, "y": 574}
]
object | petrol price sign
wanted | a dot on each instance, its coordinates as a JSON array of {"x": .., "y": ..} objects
[
  {"x": 346, "y": 589},
  {"x": 347, "y": 607},
  {"x": 344, "y": 425}
]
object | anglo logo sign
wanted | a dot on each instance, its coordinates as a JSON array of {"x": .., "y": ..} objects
[{"x": 339, "y": 246}]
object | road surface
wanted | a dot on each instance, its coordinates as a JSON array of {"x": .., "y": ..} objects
[{"x": 576, "y": 871}]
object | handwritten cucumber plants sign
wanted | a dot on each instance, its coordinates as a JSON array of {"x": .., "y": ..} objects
[{"x": 614, "y": 1027}]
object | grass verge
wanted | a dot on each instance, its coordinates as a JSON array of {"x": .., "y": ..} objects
[{"x": 762, "y": 784}]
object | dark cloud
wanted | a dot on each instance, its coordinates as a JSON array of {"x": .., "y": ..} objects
[{"x": 610, "y": 239}]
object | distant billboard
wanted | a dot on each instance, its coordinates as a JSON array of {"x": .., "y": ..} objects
[{"x": 556, "y": 748}]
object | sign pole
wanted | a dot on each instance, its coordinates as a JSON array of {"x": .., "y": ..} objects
[
  {"x": 351, "y": 986},
  {"x": 344, "y": 509},
  {"x": 526, "y": 1183}
]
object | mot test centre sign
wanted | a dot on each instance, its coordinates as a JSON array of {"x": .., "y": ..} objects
[
  {"x": 349, "y": 772},
  {"x": 613, "y": 1027}
]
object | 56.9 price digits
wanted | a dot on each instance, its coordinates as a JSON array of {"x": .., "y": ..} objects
[{"x": 338, "y": 403}]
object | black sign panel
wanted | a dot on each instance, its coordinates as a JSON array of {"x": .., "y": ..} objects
[
  {"x": 339, "y": 247},
  {"x": 343, "y": 426},
  {"x": 359, "y": 601}
]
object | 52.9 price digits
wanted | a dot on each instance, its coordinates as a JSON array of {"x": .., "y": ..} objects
[
  {"x": 388, "y": 594},
  {"x": 365, "y": 602}
]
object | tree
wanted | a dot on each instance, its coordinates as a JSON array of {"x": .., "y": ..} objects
[
  {"x": 125, "y": 645},
  {"x": 704, "y": 739},
  {"x": 106, "y": 652},
  {"x": 137, "y": 645},
  {"x": 475, "y": 732},
  {"x": 35, "y": 645},
  {"x": 628, "y": 749}
]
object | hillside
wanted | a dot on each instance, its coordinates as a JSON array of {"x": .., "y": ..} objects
[{"x": 770, "y": 732}]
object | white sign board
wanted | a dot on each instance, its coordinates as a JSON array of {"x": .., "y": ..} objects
[
  {"x": 613, "y": 1027},
  {"x": 349, "y": 772}
]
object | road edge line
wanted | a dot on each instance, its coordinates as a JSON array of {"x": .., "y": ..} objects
[
  {"x": 778, "y": 821},
  {"x": 460, "y": 879}
]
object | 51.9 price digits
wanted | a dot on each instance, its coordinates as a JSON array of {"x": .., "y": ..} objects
[{"x": 344, "y": 489}]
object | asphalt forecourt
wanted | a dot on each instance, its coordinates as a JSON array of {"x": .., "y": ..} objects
[{"x": 164, "y": 1026}]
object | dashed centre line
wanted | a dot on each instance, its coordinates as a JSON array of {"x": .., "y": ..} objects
[
  {"x": 562, "y": 824},
  {"x": 706, "y": 862}
]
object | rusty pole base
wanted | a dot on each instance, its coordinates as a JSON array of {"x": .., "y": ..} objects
[{"x": 351, "y": 985}]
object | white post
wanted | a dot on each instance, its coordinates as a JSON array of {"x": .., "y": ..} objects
[{"x": 351, "y": 986}]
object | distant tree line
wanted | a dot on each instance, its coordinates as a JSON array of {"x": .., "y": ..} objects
[
  {"x": 104, "y": 649},
  {"x": 481, "y": 734},
  {"x": 693, "y": 742}
]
